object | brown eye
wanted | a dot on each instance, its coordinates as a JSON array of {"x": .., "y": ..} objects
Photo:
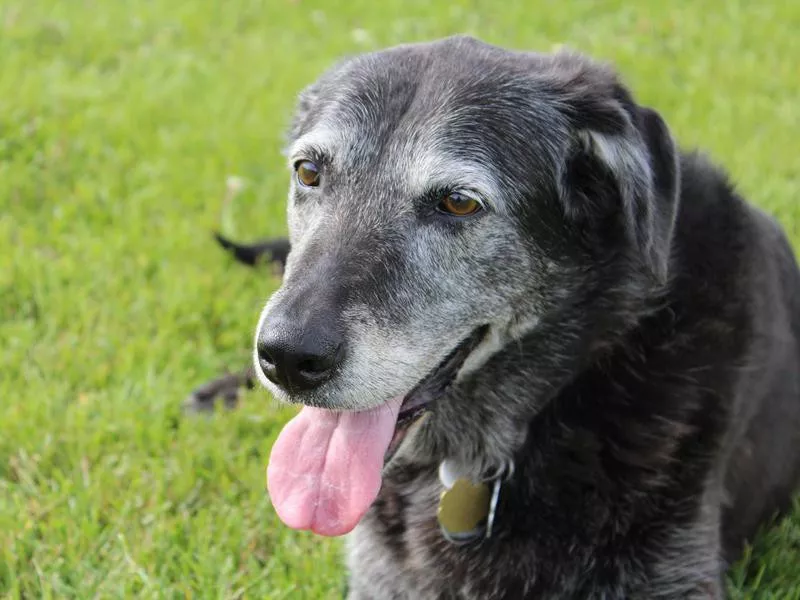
[
  {"x": 307, "y": 173},
  {"x": 459, "y": 205}
]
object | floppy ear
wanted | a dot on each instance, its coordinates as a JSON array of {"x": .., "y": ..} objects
[{"x": 624, "y": 158}]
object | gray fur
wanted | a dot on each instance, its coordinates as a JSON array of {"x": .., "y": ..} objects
[{"x": 641, "y": 366}]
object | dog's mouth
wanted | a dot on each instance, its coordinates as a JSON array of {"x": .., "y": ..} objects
[
  {"x": 325, "y": 467},
  {"x": 434, "y": 385}
]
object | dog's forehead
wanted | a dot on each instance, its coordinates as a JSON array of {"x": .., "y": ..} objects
[{"x": 429, "y": 111}]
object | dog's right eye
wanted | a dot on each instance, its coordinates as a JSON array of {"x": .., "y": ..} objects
[
  {"x": 458, "y": 205},
  {"x": 307, "y": 173}
]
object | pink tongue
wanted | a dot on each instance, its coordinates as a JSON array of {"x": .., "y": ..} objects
[{"x": 325, "y": 467}]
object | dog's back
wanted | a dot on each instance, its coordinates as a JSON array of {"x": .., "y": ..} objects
[
  {"x": 737, "y": 275},
  {"x": 763, "y": 470}
]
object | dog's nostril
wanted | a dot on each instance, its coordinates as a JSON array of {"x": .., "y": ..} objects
[
  {"x": 266, "y": 364},
  {"x": 311, "y": 366},
  {"x": 265, "y": 355},
  {"x": 318, "y": 364}
]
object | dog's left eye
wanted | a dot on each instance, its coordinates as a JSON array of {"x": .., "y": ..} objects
[
  {"x": 458, "y": 205},
  {"x": 307, "y": 173}
]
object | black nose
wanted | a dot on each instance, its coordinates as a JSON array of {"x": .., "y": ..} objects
[{"x": 299, "y": 359}]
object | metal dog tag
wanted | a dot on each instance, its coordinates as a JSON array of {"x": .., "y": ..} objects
[{"x": 463, "y": 511}]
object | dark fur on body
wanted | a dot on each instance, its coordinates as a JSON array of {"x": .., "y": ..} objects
[
  {"x": 643, "y": 475},
  {"x": 647, "y": 382}
]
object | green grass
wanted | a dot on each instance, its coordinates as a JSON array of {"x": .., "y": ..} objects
[{"x": 120, "y": 123}]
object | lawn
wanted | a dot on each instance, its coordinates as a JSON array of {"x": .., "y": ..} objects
[{"x": 122, "y": 124}]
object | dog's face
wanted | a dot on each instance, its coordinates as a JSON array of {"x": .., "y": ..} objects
[{"x": 440, "y": 188}]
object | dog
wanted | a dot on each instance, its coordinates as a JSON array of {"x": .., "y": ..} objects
[{"x": 542, "y": 351}]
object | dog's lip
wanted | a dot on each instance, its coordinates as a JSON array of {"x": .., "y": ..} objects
[
  {"x": 432, "y": 386},
  {"x": 439, "y": 379}
]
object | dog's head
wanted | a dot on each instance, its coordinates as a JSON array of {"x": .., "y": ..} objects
[{"x": 444, "y": 199}]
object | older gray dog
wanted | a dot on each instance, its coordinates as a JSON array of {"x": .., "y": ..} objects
[{"x": 507, "y": 285}]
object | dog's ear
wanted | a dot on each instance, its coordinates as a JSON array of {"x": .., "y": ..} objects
[{"x": 624, "y": 158}]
